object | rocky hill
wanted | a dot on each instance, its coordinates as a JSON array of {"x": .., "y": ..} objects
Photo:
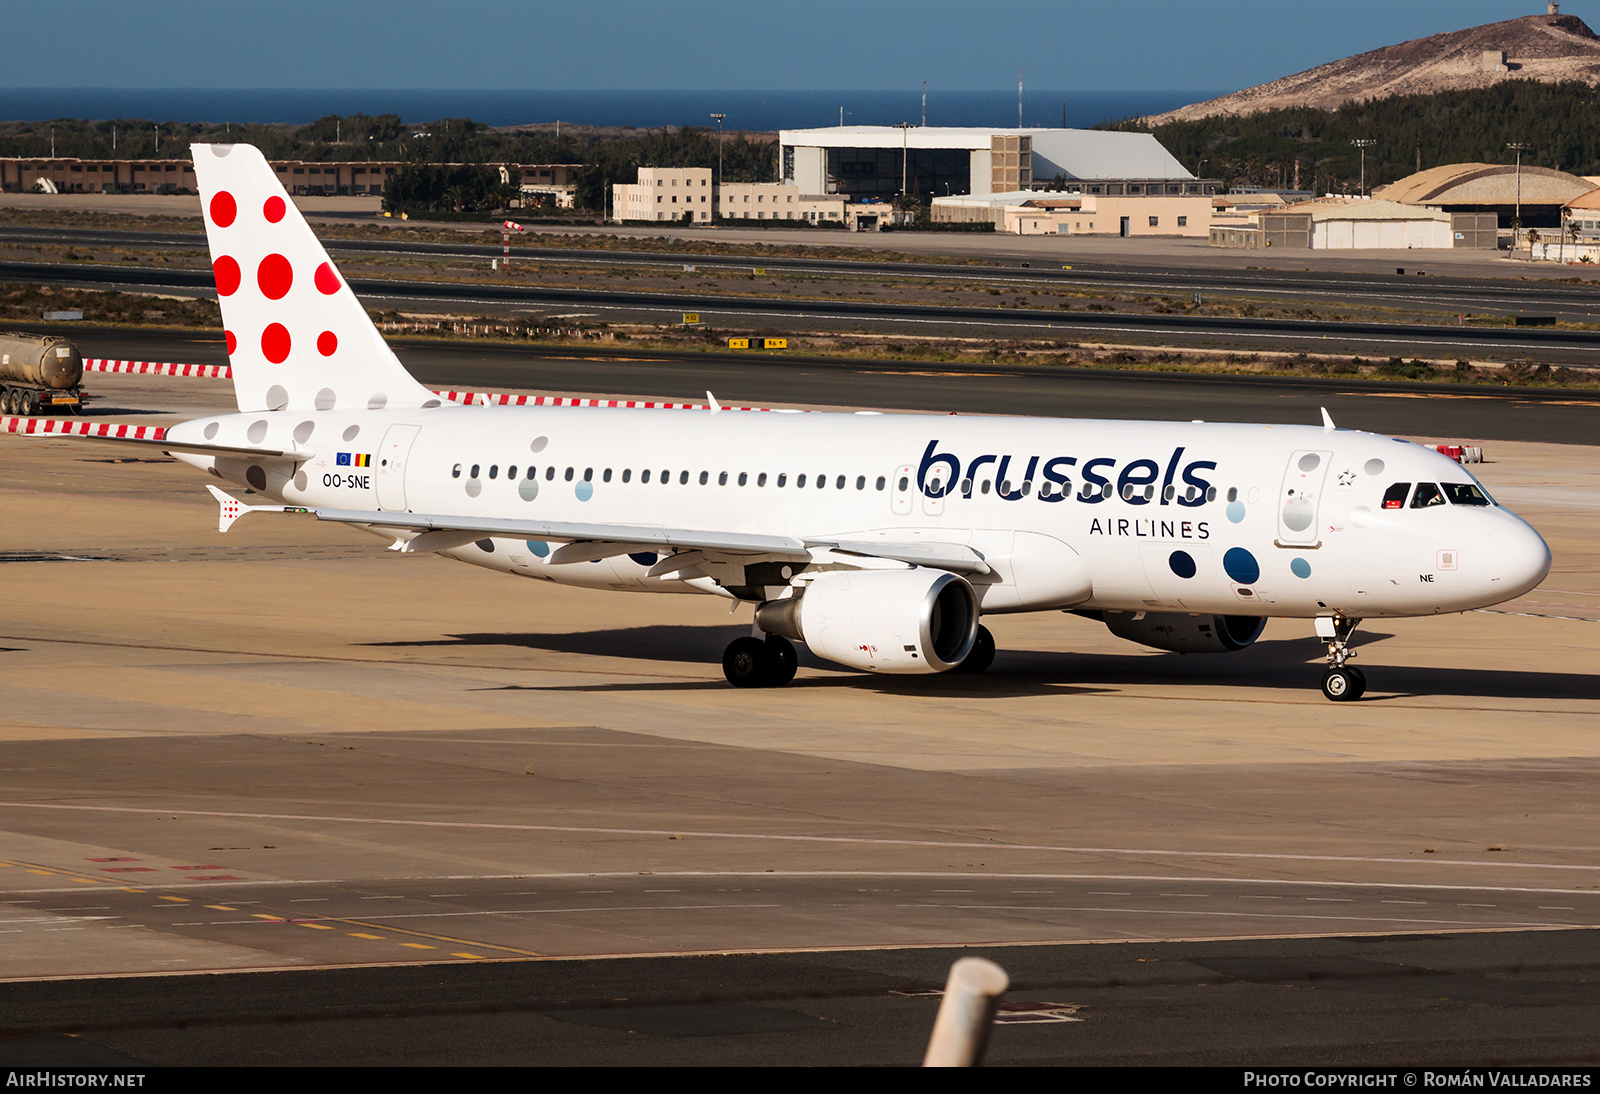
[{"x": 1550, "y": 48}]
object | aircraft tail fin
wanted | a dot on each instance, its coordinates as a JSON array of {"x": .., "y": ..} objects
[{"x": 297, "y": 336}]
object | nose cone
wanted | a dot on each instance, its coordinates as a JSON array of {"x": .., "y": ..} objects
[{"x": 1519, "y": 559}]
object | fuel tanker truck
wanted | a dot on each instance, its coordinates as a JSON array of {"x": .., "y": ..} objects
[{"x": 39, "y": 374}]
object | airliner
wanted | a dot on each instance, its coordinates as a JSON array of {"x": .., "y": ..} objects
[{"x": 879, "y": 541}]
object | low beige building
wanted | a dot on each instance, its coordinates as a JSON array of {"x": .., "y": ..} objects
[
  {"x": 677, "y": 194},
  {"x": 1035, "y": 213}
]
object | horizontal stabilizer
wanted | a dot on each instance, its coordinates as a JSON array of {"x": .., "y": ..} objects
[
  {"x": 233, "y": 508},
  {"x": 144, "y": 436}
]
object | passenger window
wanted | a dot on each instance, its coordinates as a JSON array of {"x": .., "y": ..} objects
[
  {"x": 743, "y": 478},
  {"x": 588, "y": 474},
  {"x": 455, "y": 472},
  {"x": 861, "y": 482},
  {"x": 882, "y": 482},
  {"x": 683, "y": 478},
  {"x": 905, "y": 483},
  {"x": 494, "y": 471},
  {"x": 799, "y": 481},
  {"x": 644, "y": 476},
  {"x": 532, "y": 471},
  {"x": 1211, "y": 493},
  {"x": 1395, "y": 496},
  {"x": 605, "y": 476},
  {"x": 783, "y": 478},
  {"x": 1027, "y": 487},
  {"x": 1427, "y": 496},
  {"x": 474, "y": 471},
  {"x": 549, "y": 473},
  {"x": 568, "y": 475},
  {"x": 761, "y": 479},
  {"x": 511, "y": 472},
  {"x": 1465, "y": 493},
  {"x": 839, "y": 483},
  {"x": 983, "y": 488},
  {"x": 705, "y": 477},
  {"x": 1233, "y": 493},
  {"x": 966, "y": 486},
  {"x": 627, "y": 474},
  {"x": 722, "y": 479}
]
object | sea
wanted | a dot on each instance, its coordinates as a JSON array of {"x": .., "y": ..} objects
[{"x": 757, "y": 111}]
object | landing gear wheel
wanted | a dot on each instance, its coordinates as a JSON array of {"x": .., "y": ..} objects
[
  {"x": 782, "y": 661},
  {"x": 1344, "y": 685},
  {"x": 982, "y": 654},
  {"x": 745, "y": 663}
]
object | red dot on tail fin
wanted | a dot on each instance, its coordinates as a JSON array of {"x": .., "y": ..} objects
[
  {"x": 275, "y": 343},
  {"x": 223, "y": 209},
  {"x": 275, "y": 275},
  {"x": 273, "y": 209},
  {"x": 327, "y": 342},
  {"x": 228, "y": 276},
  {"x": 327, "y": 281},
  {"x": 232, "y": 341}
]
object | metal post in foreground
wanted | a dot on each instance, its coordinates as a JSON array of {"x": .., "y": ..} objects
[{"x": 961, "y": 1031}]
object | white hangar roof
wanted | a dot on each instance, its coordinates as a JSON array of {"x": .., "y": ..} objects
[{"x": 1074, "y": 153}]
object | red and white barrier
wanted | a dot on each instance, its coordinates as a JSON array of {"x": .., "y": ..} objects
[
  {"x": 78, "y": 428},
  {"x": 1461, "y": 453},
  {"x": 157, "y": 368},
  {"x": 489, "y": 398}
]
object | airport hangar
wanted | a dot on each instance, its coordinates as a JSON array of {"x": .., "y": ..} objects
[{"x": 879, "y": 161}]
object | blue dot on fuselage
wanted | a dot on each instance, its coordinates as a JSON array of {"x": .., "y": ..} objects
[
  {"x": 1182, "y": 564},
  {"x": 539, "y": 547},
  {"x": 584, "y": 490},
  {"x": 1241, "y": 566},
  {"x": 1299, "y": 567},
  {"x": 1235, "y": 511}
]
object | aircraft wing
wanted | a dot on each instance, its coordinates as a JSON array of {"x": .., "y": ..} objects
[{"x": 584, "y": 542}]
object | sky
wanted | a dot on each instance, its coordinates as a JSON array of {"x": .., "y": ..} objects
[{"x": 707, "y": 44}]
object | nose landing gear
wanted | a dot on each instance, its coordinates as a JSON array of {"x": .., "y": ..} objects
[{"x": 1344, "y": 682}]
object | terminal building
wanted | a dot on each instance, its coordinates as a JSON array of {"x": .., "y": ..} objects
[{"x": 66, "y": 175}]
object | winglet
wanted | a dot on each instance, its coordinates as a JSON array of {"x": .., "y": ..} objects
[
  {"x": 716, "y": 407},
  {"x": 1327, "y": 421},
  {"x": 233, "y": 508}
]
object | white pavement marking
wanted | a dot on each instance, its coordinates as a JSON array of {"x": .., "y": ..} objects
[{"x": 780, "y": 837}]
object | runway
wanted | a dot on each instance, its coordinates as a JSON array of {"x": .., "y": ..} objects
[
  {"x": 1466, "y": 412},
  {"x": 431, "y": 814},
  {"x": 778, "y": 314}
]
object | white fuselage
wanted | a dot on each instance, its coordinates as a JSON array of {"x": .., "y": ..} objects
[{"x": 1128, "y": 516}]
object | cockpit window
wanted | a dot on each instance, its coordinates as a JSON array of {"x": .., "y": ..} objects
[
  {"x": 1395, "y": 496},
  {"x": 1427, "y": 496},
  {"x": 1465, "y": 493}
]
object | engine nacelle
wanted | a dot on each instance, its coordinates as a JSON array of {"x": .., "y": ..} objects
[
  {"x": 1182, "y": 633},
  {"x": 919, "y": 620}
]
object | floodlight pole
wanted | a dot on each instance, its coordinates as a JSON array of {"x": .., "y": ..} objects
[
  {"x": 905, "y": 132},
  {"x": 1364, "y": 145},
  {"x": 1518, "y": 147},
  {"x": 719, "y": 119}
]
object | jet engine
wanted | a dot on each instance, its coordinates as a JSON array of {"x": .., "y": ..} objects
[
  {"x": 905, "y": 621},
  {"x": 1182, "y": 633}
]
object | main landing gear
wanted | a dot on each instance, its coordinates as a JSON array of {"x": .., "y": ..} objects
[
  {"x": 1344, "y": 682},
  {"x": 982, "y": 655},
  {"x": 768, "y": 662}
]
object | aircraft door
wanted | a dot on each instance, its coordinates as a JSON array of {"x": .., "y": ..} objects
[
  {"x": 390, "y": 476},
  {"x": 1299, "y": 498}
]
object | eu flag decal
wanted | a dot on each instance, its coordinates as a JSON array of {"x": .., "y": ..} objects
[
  {"x": 342, "y": 460},
  {"x": 353, "y": 459}
]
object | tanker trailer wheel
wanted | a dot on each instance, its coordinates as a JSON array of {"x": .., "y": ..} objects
[{"x": 30, "y": 403}]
